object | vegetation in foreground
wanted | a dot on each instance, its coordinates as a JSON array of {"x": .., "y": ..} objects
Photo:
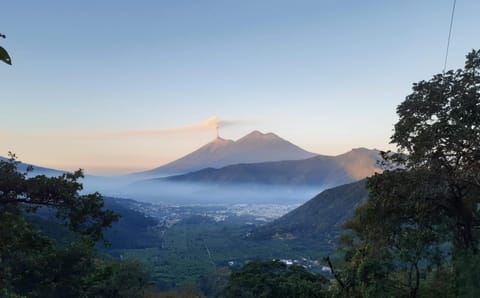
[
  {"x": 35, "y": 265},
  {"x": 417, "y": 235},
  {"x": 275, "y": 279}
]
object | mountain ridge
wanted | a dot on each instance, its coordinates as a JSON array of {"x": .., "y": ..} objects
[
  {"x": 320, "y": 170},
  {"x": 36, "y": 170}
]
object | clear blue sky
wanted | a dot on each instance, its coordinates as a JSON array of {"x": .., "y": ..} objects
[{"x": 326, "y": 75}]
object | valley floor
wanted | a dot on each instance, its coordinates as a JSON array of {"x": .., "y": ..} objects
[{"x": 196, "y": 242}]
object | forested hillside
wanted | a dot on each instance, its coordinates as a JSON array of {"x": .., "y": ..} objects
[{"x": 320, "y": 218}]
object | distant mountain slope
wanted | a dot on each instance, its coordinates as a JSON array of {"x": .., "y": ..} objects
[
  {"x": 318, "y": 170},
  {"x": 252, "y": 148},
  {"x": 320, "y": 217},
  {"x": 22, "y": 167},
  {"x": 325, "y": 171}
]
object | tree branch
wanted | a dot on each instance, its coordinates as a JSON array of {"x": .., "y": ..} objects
[{"x": 337, "y": 278}]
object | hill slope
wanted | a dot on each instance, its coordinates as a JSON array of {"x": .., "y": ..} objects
[
  {"x": 133, "y": 230},
  {"x": 320, "y": 217},
  {"x": 252, "y": 148}
]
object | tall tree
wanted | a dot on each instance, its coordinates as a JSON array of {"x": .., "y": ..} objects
[
  {"x": 425, "y": 214},
  {"x": 439, "y": 131},
  {"x": 83, "y": 214}
]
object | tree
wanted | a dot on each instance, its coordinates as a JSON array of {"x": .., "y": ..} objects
[
  {"x": 34, "y": 265},
  {"x": 439, "y": 131},
  {"x": 82, "y": 214},
  {"x": 213, "y": 284},
  {"x": 275, "y": 279},
  {"x": 118, "y": 279},
  {"x": 394, "y": 237},
  {"x": 422, "y": 220},
  {"x": 4, "y": 54}
]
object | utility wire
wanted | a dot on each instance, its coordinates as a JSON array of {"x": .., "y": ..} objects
[{"x": 449, "y": 36}]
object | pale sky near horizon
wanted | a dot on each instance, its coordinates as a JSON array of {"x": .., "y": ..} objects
[{"x": 120, "y": 86}]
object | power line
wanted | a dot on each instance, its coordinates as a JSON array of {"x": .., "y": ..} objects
[{"x": 449, "y": 35}]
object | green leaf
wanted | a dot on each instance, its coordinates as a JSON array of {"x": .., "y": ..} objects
[{"x": 5, "y": 57}]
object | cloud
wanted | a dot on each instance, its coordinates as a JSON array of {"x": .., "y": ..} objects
[
  {"x": 215, "y": 122},
  {"x": 211, "y": 124}
]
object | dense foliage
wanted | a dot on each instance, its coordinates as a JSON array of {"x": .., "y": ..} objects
[
  {"x": 275, "y": 279},
  {"x": 417, "y": 235},
  {"x": 34, "y": 265}
]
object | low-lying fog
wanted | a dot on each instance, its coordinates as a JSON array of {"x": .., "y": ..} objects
[{"x": 179, "y": 193}]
